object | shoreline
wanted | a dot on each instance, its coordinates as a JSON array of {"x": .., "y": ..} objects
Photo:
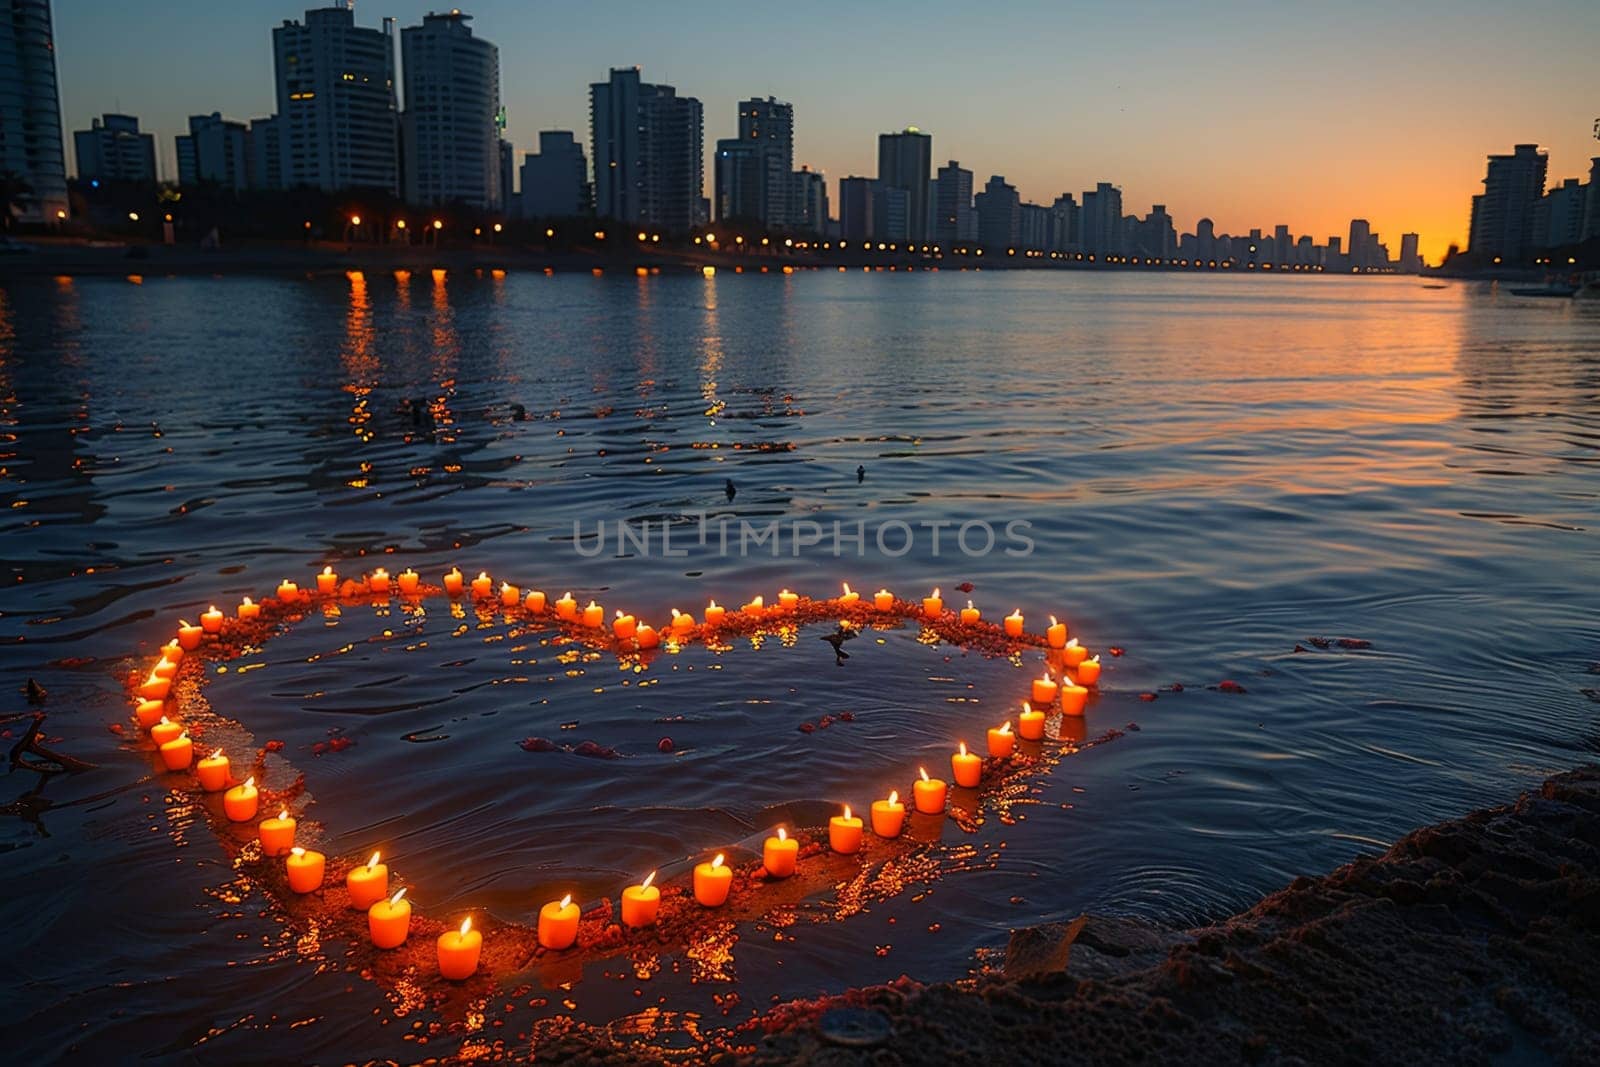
[{"x": 1470, "y": 940}]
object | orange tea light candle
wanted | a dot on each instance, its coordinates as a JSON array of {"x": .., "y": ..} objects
[
  {"x": 534, "y": 601},
  {"x": 149, "y": 712},
  {"x": 277, "y": 833},
  {"x": 970, "y": 614},
  {"x": 640, "y": 903},
  {"x": 682, "y": 623},
  {"x": 327, "y": 582},
  {"x": 1073, "y": 699},
  {"x": 594, "y": 616},
  {"x": 787, "y": 600},
  {"x": 966, "y": 767},
  {"x": 780, "y": 854},
  {"x": 888, "y": 816},
  {"x": 715, "y": 614},
  {"x": 389, "y": 921},
  {"x": 1030, "y": 724},
  {"x": 166, "y": 668},
  {"x": 482, "y": 587},
  {"x": 1089, "y": 671},
  {"x": 459, "y": 951},
  {"x": 165, "y": 730},
  {"x": 210, "y": 621},
  {"x": 844, "y": 833},
  {"x": 1044, "y": 690},
  {"x": 883, "y": 600},
  {"x": 567, "y": 608},
  {"x": 624, "y": 626},
  {"x": 378, "y": 581},
  {"x": 408, "y": 580},
  {"x": 1056, "y": 635},
  {"x": 1014, "y": 623},
  {"x": 249, "y": 609},
  {"x": 558, "y": 924},
  {"x": 928, "y": 793},
  {"x": 932, "y": 605},
  {"x": 178, "y": 753},
  {"x": 646, "y": 636},
  {"x": 305, "y": 868},
  {"x": 368, "y": 884},
  {"x": 1073, "y": 652},
  {"x": 287, "y": 590},
  {"x": 239, "y": 803},
  {"x": 453, "y": 583},
  {"x": 213, "y": 772},
  {"x": 173, "y": 651},
  {"x": 154, "y": 688},
  {"x": 189, "y": 635},
  {"x": 510, "y": 595},
  {"x": 849, "y": 597},
  {"x": 1002, "y": 742},
  {"x": 712, "y": 882},
  {"x": 755, "y": 605}
]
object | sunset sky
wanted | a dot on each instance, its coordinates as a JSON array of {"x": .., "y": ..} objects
[{"x": 1252, "y": 113}]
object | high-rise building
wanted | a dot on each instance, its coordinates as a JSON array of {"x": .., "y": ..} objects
[
  {"x": 952, "y": 205},
  {"x": 855, "y": 208},
  {"x": 336, "y": 102},
  {"x": 1159, "y": 239},
  {"x": 1558, "y": 216},
  {"x": 999, "y": 214},
  {"x": 739, "y": 181},
  {"x": 905, "y": 161},
  {"x": 808, "y": 201},
  {"x": 769, "y": 125},
  {"x": 1102, "y": 220},
  {"x": 1033, "y": 227},
  {"x": 555, "y": 181},
  {"x": 113, "y": 150},
  {"x": 1591, "y": 201},
  {"x": 891, "y": 213},
  {"x": 215, "y": 151},
  {"x": 1359, "y": 249},
  {"x": 1064, "y": 224},
  {"x": 30, "y": 109},
  {"x": 1502, "y": 215},
  {"x": 450, "y": 129},
  {"x": 265, "y": 149},
  {"x": 1410, "y": 261},
  {"x": 646, "y": 142},
  {"x": 508, "y": 173}
]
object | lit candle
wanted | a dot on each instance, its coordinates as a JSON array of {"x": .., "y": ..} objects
[
  {"x": 305, "y": 867},
  {"x": 149, "y": 712},
  {"x": 277, "y": 833},
  {"x": 534, "y": 601},
  {"x": 165, "y": 730},
  {"x": 928, "y": 793},
  {"x": 378, "y": 581},
  {"x": 210, "y": 621},
  {"x": 844, "y": 832},
  {"x": 682, "y": 623},
  {"x": 640, "y": 903},
  {"x": 712, "y": 882},
  {"x": 1044, "y": 690},
  {"x": 368, "y": 884},
  {"x": 594, "y": 616},
  {"x": 969, "y": 614},
  {"x": 452, "y": 581},
  {"x": 213, "y": 772},
  {"x": 933, "y": 605},
  {"x": 558, "y": 923},
  {"x": 624, "y": 626},
  {"x": 1014, "y": 623},
  {"x": 1074, "y": 652},
  {"x": 287, "y": 590},
  {"x": 1089, "y": 671},
  {"x": 173, "y": 651},
  {"x": 883, "y": 600},
  {"x": 177, "y": 753},
  {"x": 1002, "y": 742},
  {"x": 459, "y": 951},
  {"x": 249, "y": 609},
  {"x": 189, "y": 635},
  {"x": 715, "y": 613},
  {"x": 779, "y": 854},
  {"x": 154, "y": 688},
  {"x": 1073, "y": 699},
  {"x": 239, "y": 803},
  {"x": 327, "y": 581},
  {"x": 966, "y": 767},
  {"x": 567, "y": 608},
  {"x": 482, "y": 586},
  {"x": 165, "y": 668},
  {"x": 408, "y": 580},
  {"x": 787, "y": 600},
  {"x": 1030, "y": 724},
  {"x": 389, "y": 921},
  {"x": 646, "y": 636},
  {"x": 755, "y": 606},
  {"x": 849, "y": 597},
  {"x": 510, "y": 595},
  {"x": 1057, "y": 633},
  {"x": 888, "y": 816}
]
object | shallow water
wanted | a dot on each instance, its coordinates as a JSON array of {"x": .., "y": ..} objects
[{"x": 1215, "y": 470}]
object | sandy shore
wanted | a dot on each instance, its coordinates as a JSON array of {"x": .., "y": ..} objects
[{"x": 1471, "y": 941}]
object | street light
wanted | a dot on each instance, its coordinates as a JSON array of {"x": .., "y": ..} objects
[{"x": 133, "y": 216}]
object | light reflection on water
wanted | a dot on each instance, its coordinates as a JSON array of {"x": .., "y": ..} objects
[{"x": 1216, "y": 470}]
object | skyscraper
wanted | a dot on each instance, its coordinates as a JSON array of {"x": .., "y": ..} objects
[
  {"x": 1502, "y": 215},
  {"x": 113, "y": 150},
  {"x": 1410, "y": 262},
  {"x": 215, "y": 150},
  {"x": 905, "y": 161},
  {"x": 452, "y": 119},
  {"x": 1064, "y": 224},
  {"x": 855, "y": 208},
  {"x": 999, "y": 215},
  {"x": 336, "y": 102},
  {"x": 646, "y": 142},
  {"x": 952, "y": 209},
  {"x": 808, "y": 201},
  {"x": 769, "y": 124},
  {"x": 1591, "y": 201},
  {"x": 1360, "y": 244},
  {"x": 740, "y": 182},
  {"x": 30, "y": 109},
  {"x": 555, "y": 182},
  {"x": 1102, "y": 220},
  {"x": 265, "y": 149}
]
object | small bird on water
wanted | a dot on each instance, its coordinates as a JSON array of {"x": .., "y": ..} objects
[
  {"x": 861, "y": 474},
  {"x": 844, "y": 633},
  {"x": 728, "y": 488}
]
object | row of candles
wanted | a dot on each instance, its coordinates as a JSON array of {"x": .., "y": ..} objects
[{"x": 389, "y": 917}]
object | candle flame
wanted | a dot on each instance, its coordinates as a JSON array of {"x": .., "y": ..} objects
[
  {"x": 283, "y": 813},
  {"x": 783, "y": 835},
  {"x": 785, "y": 591},
  {"x": 466, "y": 924},
  {"x": 1026, "y": 707},
  {"x": 213, "y": 610},
  {"x": 846, "y": 588},
  {"x": 894, "y": 797},
  {"x": 969, "y": 603},
  {"x": 847, "y": 811},
  {"x": 247, "y": 600},
  {"x": 619, "y": 613},
  {"x": 565, "y": 901},
  {"x": 675, "y": 613},
  {"x": 185, "y": 624},
  {"x": 883, "y": 592},
  {"x": 1045, "y": 677},
  {"x": 163, "y": 718},
  {"x": 963, "y": 748},
  {"x": 592, "y": 604},
  {"x": 1053, "y": 621},
  {"x": 396, "y": 898},
  {"x": 936, "y": 592},
  {"x": 380, "y": 573},
  {"x": 717, "y": 861},
  {"x": 297, "y": 851},
  {"x": 648, "y": 879},
  {"x": 373, "y": 862},
  {"x": 1072, "y": 643},
  {"x": 567, "y": 595},
  {"x": 249, "y": 783},
  {"x": 924, "y": 772},
  {"x": 217, "y": 754},
  {"x": 1093, "y": 659},
  {"x": 505, "y": 587},
  {"x": 328, "y": 571},
  {"x": 1006, "y": 727}
]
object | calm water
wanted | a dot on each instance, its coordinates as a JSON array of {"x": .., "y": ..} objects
[{"x": 1215, "y": 470}]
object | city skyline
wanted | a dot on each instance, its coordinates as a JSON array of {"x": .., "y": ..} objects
[{"x": 1417, "y": 159}]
